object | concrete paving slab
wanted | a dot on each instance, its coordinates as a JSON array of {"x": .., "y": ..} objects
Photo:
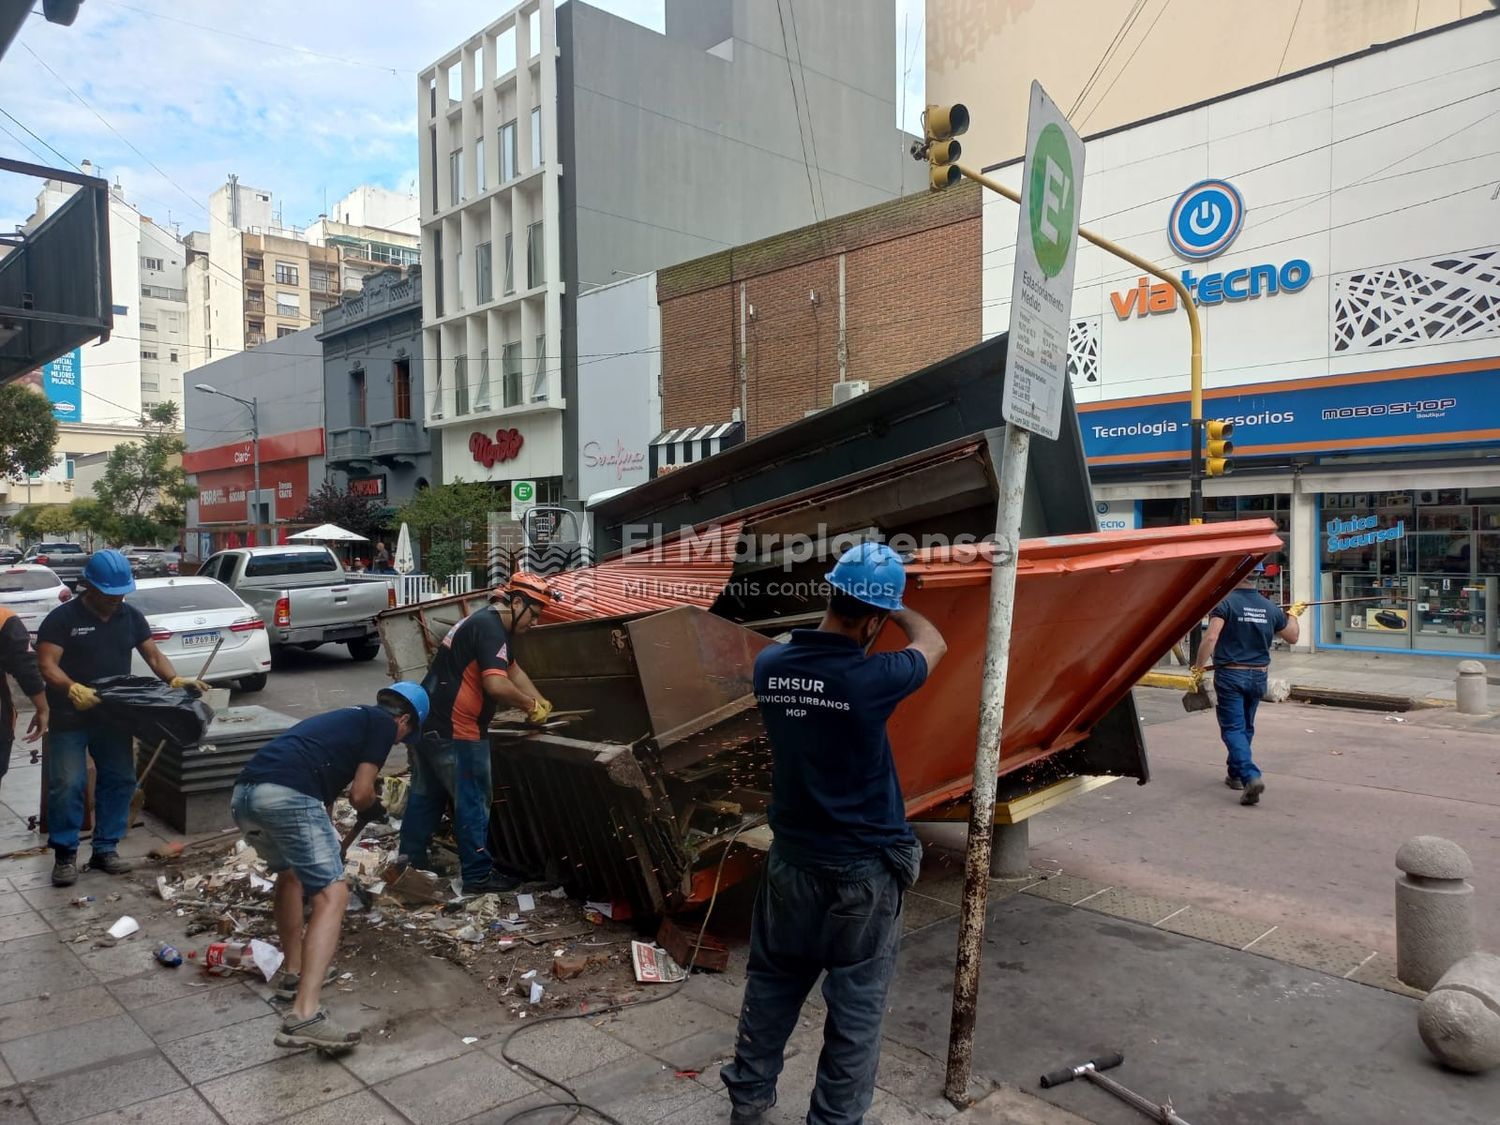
[
  {"x": 640, "y": 1091},
  {"x": 562, "y": 1049},
  {"x": 1066, "y": 889},
  {"x": 707, "y": 1049},
  {"x": 193, "y": 1015},
  {"x": 291, "y": 1085},
  {"x": 1380, "y": 971},
  {"x": 917, "y": 911},
  {"x": 12, "y": 902},
  {"x": 14, "y": 1110},
  {"x": 129, "y": 958},
  {"x": 501, "y": 1114},
  {"x": 30, "y": 966},
  {"x": 1010, "y": 1106},
  {"x": 225, "y": 1050},
  {"x": 84, "y": 1045},
  {"x": 22, "y": 1018},
  {"x": 454, "y": 1090},
  {"x": 915, "y": 1078},
  {"x": 159, "y": 984},
  {"x": 184, "y": 1107},
  {"x": 364, "y": 1107},
  {"x": 653, "y": 1026},
  {"x": 1120, "y": 902},
  {"x": 1327, "y": 955},
  {"x": 1214, "y": 925},
  {"x": 401, "y": 1047},
  {"x": 1187, "y": 1015},
  {"x": 87, "y": 1093}
]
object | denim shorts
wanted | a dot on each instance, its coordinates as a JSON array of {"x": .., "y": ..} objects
[{"x": 289, "y": 830}]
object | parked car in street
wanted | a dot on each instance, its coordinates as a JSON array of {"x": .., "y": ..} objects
[
  {"x": 66, "y": 560},
  {"x": 188, "y": 616},
  {"x": 305, "y": 596},
  {"x": 9, "y": 556},
  {"x": 32, "y": 592},
  {"x": 156, "y": 564}
]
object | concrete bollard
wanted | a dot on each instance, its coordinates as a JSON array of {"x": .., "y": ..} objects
[
  {"x": 1459, "y": 1019},
  {"x": 1473, "y": 689},
  {"x": 1277, "y": 691},
  {"x": 1434, "y": 909},
  {"x": 1010, "y": 856}
]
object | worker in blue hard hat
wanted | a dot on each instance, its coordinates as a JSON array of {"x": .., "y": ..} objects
[
  {"x": 843, "y": 855},
  {"x": 80, "y": 642},
  {"x": 281, "y": 802}
]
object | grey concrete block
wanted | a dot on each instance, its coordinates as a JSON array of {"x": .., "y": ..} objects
[
  {"x": 31, "y": 966},
  {"x": 89, "y": 1092},
  {"x": 1434, "y": 928},
  {"x": 454, "y": 1090},
  {"x": 403, "y": 1046},
  {"x": 1460, "y": 1018},
  {"x": 157, "y": 984},
  {"x": 12, "y": 902},
  {"x": 562, "y": 1049},
  {"x": 364, "y": 1107},
  {"x": 84, "y": 1045},
  {"x": 213, "y": 1054},
  {"x": 287, "y": 1087},
  {"x": 184, "y": 1107},
  {"x": 653, "y": 1026}
]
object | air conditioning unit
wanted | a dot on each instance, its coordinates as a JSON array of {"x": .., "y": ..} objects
[{"x": 853, "y": 388}]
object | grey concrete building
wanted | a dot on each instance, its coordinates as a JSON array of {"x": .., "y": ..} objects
[
  {"x": 377, "y": 444},
  {"x": 561, "y": 151},
  {"x": 281, "y": 385}
]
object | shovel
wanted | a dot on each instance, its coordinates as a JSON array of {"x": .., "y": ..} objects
[{"x": 1198, "y": 699}]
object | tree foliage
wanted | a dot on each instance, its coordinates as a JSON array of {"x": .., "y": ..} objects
[
  {"x": 448, "y": 516},
  {"x": 331, "y": 504},
  {"x": 144, "y": 489},
  {"x": 28, "y": 431}
]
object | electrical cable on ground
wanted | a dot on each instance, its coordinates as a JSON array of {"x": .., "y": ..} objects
[{"x": 574, "y": 1103}]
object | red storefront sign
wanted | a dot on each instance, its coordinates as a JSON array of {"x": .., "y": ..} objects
[
  {"x": 504, "y": 446},
  {"x": 371, "y": 488},
  {"x": 225, "y": 475}
]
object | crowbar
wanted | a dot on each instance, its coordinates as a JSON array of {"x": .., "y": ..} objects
[{"x": 1091, "y": 1071}]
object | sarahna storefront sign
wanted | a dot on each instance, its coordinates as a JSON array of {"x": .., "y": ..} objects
[{"x": 1381, "y": 410}]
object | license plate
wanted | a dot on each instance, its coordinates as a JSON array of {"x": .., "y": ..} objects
[{"x": 198, "y": 640}]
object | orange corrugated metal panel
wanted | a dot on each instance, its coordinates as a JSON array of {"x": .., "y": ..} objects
[
  {"x": 1093, "y": 614},
  {"x": 684, "y": 569}
]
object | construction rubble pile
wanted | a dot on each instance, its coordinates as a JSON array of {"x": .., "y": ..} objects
[{"x": 537, "y": 950}]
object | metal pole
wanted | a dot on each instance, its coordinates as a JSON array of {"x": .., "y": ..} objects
[
  {"x": 1013, "y": 463},
  {"x": 255, "y": 449}
]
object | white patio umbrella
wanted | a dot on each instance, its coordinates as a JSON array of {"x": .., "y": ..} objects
[
  {"x": 327, "y": 533},
  {"x": 404, "y": 562}
]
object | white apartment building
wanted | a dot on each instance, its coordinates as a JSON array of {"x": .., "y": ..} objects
[
  {"x": 372, "y": 228},
  {"x": 563, "y": 150}
]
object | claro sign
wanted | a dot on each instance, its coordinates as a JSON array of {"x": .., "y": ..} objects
[{"x": 1204, "y": 221}]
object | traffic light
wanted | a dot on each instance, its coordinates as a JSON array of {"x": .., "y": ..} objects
[
  {"x": 940, "y": 124},
  {"x": 1217, "y": 448}
]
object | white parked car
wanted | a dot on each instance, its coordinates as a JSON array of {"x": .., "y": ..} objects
[
  {"x": 31, "y": 592},
  {"x": 188, "y": 616}
]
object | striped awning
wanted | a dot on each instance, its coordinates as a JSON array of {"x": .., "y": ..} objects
[{"x": 672, "y": 449}]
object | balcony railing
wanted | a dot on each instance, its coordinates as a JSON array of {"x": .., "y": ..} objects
[
  {"x": 351, "y": 444},
  {"x": 255, "y": 276},
  {"x": 254, "y": 339},
  {"x": 254, "y": 303},
  {"x": 399, "y": 437}
]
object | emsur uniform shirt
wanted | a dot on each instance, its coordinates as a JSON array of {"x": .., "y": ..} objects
[
  {"x": 91, "y": 650},
  {"x": 1251, "y": 621},
  {"x": 319, "y": 756},
  {"x": 834, "y": 789},
  {"x": 478, "y": 646}
]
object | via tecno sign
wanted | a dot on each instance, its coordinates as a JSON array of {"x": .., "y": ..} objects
[{"x": 1204, "y": 222}]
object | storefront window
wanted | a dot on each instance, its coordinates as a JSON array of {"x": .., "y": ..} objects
[{"x": 1411, "y": 570}]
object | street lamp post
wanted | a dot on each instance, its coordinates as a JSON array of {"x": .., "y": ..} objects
[{"x": 252, "y": 405}]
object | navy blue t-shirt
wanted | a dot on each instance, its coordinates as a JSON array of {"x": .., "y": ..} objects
[
  {"x": 1251, "y": 620},
  {"x": 834, "y": 789},
  {"x": 319, "y": 755},
  {"x": 91, "y": 650}
]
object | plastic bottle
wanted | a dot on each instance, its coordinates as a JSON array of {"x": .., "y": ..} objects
[
  {"x": 224, "y": 957},
  {"x": 168, "y": 955},
  {"x": 84, "y": 901}
]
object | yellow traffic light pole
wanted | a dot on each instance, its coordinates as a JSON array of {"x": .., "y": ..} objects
[{"x": 1195, "y": 327}]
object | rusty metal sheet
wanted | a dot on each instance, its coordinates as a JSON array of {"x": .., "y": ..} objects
[
  {"x": 692, "y": 667},
  {"x": 1093, "y": 613}
]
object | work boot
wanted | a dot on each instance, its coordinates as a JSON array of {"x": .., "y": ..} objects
[
  {"x": 110, "y": 863},
  {"x": 1252, "y": 793},
  {"x": 286, "y": 984},
  {"x": 320, "y": 1031},
  {"x": 1234, "y": 783},
  {"x": 65, "y": 869},
  {"x": 494, "y": 883}
]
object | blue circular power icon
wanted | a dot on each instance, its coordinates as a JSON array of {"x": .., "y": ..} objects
[{"x": 1205, "y": 219}]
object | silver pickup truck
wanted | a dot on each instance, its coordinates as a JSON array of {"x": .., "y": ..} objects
[{"x": 305, "y": 596}]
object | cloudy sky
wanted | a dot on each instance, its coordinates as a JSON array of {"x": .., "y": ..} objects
[{"x": 307, "y": 99}]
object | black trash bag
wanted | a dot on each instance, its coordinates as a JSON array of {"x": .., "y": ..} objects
[{"x": 151, "y": 711}]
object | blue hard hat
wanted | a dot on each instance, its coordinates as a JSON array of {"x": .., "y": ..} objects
[
  {"x": 413, "y": 696},
  {"x": 1260, "y": 568},
  {"x": 109, "y": 572},
  {"x": 872, "y": 573}
]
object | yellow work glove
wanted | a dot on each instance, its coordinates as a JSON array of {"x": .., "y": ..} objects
[
  {"x": 539, "y": 711},
  {"x": 82, "y": 697},
  {"x": 1297, "y": 610},
  {"x": 1196, "y": 674},
  {"x": 198, "y": 687}
]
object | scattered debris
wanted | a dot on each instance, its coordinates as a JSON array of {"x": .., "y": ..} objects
[
  {"x": 525, "y": 902},
  {"x": 654, "y": 965},
  {"x": 712, "y": 954},
  {"x": 124, "y": 927}
]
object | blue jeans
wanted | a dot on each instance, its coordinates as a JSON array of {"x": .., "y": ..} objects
[
  {"x": 289, "y": 830},
  {"x": 1239, "y": 691},
  {"x": 68, "y": 778},
  {"x": 444, "y": 769},
  {"x": 842, "y": 919}
]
